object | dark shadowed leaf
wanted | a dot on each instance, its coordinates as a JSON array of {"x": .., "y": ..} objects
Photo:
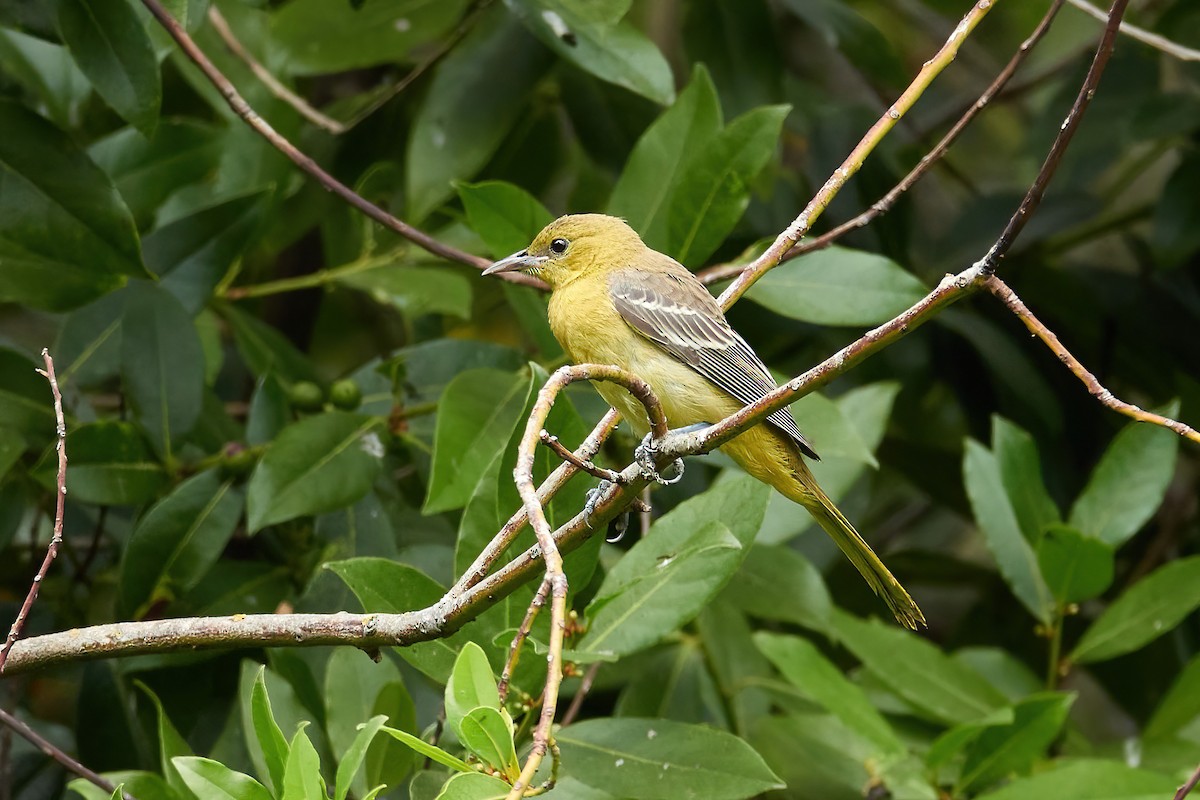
[
  {"x": 1003, "y": 750},
  {"x": 110, "y": 464},
  {"x": 356, "y": 688},
  {"x": 26, "y": 403}
]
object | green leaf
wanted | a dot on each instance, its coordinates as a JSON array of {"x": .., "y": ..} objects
[
  {"x": 996, "y": 518},
  {"x": 320, "y": 464},
  {"x": 916, "y": 670},
  {"x": 142, "y": 785},
  {"x": 488, "y": 733},
  {"x": 658, "y": 161},
  {"x": 176, "y": 542},
  {"x": 504, "y": 215},
  {"x": 1128, "y": 484},
  {"x": 1021, "y": 472},
  {"x": 474, "y": 786},
  {"x": 779, "y": 583},
  {"x": 638, "y": 608},
  {"x": 1087, "y": 779},
  {"x": 1075, "y": 567},
  {"x": 838, "y": 286},
  {"x": 805, "y": 668},
  {"x": 162, "y": 364},
  {"x": 268, "y": 742},
  {"x": 479, "y": 91},
  {"x": 170, "y": 744},
  {"x": 264, "y": 349},
  {"x": 318, "y": 37},
  {"x": 26, "y": 402},
  {"x": 45, "y": 70},
  {"x": 12, "y": 447},
  {"x": 88, "y": 349},
  {"x": 1180, "y": 706},
  {"x": 1002, "y": 750},
  {"x": 471, "y": 685},
  {"x": 658, "y": 759},
  {"x": 617, "y": 53},
  {"x": 212, "y": 780},
  {"x": 844, "y": 28},
  {"x": 429, "y": 751},
  {"x": 414, "y": 290},
  {"x": 302, "y": 775},
  {"x": 110, "y": 465},
  {"x": 714, "y": 188},
  {"x": 476, "y": 416},
  {"x": 833, "y": 434},
  {"x": 956, "y": 739},
  {"x": 110, "y": 44},
  {"x": 66, "y": 236},
  {"x": 353, "y": 757},
  {"x": 1148, "y": 609}
]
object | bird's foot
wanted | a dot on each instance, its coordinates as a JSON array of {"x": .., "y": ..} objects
[
  {"x": 645, "y": 454},
  {"x": 617, "y": 525}
]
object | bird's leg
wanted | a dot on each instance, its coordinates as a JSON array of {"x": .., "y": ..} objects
[
  {"x": 645, "y": 455},
  {"x": 593, "y": 497},
  {"x": 617, "y": 525}
]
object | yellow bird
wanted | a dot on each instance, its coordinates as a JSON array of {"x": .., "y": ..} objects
[{"x": 616, "y": 301}]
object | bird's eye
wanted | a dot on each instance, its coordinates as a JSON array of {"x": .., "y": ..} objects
[{"x": 558, "y": 246}]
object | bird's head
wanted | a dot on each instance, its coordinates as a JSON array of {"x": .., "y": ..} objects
[{"x": 572, "y": 247}]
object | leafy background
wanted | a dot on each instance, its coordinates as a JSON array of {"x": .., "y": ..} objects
[{"x": 274, "y": 405}]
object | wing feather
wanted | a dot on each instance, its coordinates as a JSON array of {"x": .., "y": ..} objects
[{"x": 677, "y": 313}]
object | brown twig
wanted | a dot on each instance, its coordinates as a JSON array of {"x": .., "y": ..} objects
[
  {"x": 514, "y": 649},
  {"x": 581, "y": 694},
  {"x": 587, "y": 465},
  {"x": 46, "y": 746},
  {"x": 885, "y": 203},
  {"x": 820, "y": 201},
  {"x": 1007, "y": 296},
  {"x": 304, "y": 162},
  {"x": 59, "y": 508},
  {"x": 1186, "y": 788}
]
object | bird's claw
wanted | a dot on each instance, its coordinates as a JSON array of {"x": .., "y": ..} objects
[
  {"x": 645, "y": 454},
  {"x": 618, "y": 525}
]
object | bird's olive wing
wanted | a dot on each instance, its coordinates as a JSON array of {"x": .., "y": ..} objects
[{"x": 677, "y": 313}]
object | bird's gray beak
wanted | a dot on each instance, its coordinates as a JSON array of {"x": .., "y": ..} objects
[{"x": 517, "y": 262}]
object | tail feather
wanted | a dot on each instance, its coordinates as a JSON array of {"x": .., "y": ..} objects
[{"x": 881, "y": 581}]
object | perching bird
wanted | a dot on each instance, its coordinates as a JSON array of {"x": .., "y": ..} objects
[{"x": 616, "y": 301}]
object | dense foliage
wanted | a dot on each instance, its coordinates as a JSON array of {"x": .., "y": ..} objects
[{"x": 274, "y": 405}]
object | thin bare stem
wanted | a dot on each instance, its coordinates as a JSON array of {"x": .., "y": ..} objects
[
  {"x": 1186, "y": 788},
  {"x": 59, "y": 509},
  {"x": 1173, "y": 49},
  {"x": 885, "y": 203},
  {"x": 581, "y": 694},
  {"x": 514, "y": 649},
  {"x": 587, "y": 466},
  {"x": 800, "y": 226},
  {"x": 273, "y": 84},
  {"x": 303, "y": 161},
  {"x": 15, "y": 724},
  {"x": 1014, "y": 304}
]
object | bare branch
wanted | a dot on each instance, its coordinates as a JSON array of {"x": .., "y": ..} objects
[
  {"x": 588, "y": 466},
  {"x": 59, "y": 508},
  {"x": 581, "y": 694},
  {"x": 1173, "y": 49},
  {"x": 46, "y": 746},
  {"x": 1007, "y": 296},
  {"x": 1186, "y": 788},
  {"x": 514, "y": 650}
]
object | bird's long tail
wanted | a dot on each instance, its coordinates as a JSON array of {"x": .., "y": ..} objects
[{"x": 881, "y": 581}]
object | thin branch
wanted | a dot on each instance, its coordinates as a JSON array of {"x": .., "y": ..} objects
[
  {"x": 304, "y": 162},
  {"x": 46, "y": 746},
  {"x": 1173, "y": 49},
  {"x": 1007, "y": 296},
  {"x": 59, "y": 508},
  {"x": 268, "y": 79},
  {"x": 581, "y": 693},
  {"x": 885, "y": 203},
  {"x": 514, "y": 649},
  {"x": 1186, "y": 788},
  {"x": 800, "y": 226},
  {"x": 587, "y": 466}
]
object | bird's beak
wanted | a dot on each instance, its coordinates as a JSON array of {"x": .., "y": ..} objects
[{"x": 517, "y": 262}]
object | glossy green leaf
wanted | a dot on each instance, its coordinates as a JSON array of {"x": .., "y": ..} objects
[
  {"x": 659, "y": 159},
  {"x": 142, "y": 785},
  {"x": 1088, "y": 779},
  {"x": 838, "y": 286},
  {"x": 268, "y": 743},
  {"x": 479, "y": 91},
  {"x": 110, "y": 464},
  {"x": 1075, "y": 567},
  {"x": 352, "y": 759},
  {"x": 915, "y": 669},
  {"x": 503, "y": 214},
  {"x": 110, "y": 44},
  {"x": 179, "y": 539},
  {"x": 212, "y": 780},
  {"x": 320, "y": 464},
  {"x": 302, "y": 774},
  {"x": 1001, "y": 529},
  {"x": 779, "y": 583},
  {"x": 474, "y": 786},
  {"x": 1021, "y": 473},
  {"x": 1128, "y": 484},
  {"x": 477, "y": 414},
  {"x": 471, "y": 685},
  {"x": 659, "y": 759},
  {"x": 1002, "y": 750},
  {"x": 414, "y": 290},
  {"x": 44, "y": 69},
  {"x": 618, "y": 53},
  {"x": 799, "y": 661},
  {"x": 66, "y": 236},
  {"x": 488, "y": 733},
  {"x": 316, "y": 37},
  {"x": 429, "y": 751},
  {"x": 1148, "y": 609},
  {"x": 162, "y": 364}
]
